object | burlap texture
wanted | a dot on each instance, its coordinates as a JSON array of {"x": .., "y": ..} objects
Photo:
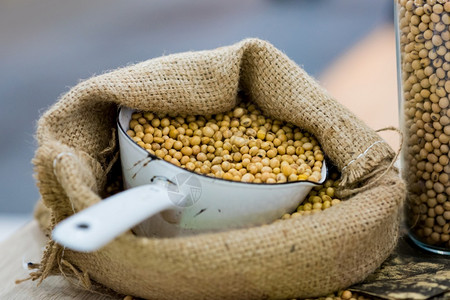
[{"x": 306, "y": 256}]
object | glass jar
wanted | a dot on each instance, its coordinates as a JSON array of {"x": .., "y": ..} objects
[{"x": 423, "y": 58}]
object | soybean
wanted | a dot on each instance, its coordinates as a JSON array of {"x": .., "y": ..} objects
[
  {"x": 424, "y": 36},
  {"x": 240, "y": 145}
]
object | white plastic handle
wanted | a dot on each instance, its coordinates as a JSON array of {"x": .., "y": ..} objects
[{"x": 95, "y": 226}]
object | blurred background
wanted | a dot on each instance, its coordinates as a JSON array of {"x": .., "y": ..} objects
[{"x": 48, "y": 46}]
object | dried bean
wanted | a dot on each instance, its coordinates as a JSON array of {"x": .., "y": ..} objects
[{"x": 424, "y": 42}]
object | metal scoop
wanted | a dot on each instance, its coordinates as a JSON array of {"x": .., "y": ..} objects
[{"x": 164, "y": 200}]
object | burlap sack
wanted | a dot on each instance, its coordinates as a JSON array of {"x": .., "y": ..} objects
[{"x": 306, "y": 256}]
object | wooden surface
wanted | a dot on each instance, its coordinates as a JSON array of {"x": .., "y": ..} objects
[
  {"x": 26, "y": 246},
  {"x": 363, "y": 80}
]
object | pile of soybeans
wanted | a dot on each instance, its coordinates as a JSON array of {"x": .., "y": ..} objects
[{"x": 241, "y": 145}]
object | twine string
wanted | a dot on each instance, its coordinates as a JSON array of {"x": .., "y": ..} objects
[{"x": 349, "y": 192}]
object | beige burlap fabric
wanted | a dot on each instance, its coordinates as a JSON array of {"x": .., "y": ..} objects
[{"x": 306, "y": 256}]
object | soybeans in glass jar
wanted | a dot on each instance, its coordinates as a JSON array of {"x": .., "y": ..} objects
[{"x": 423, "y": 55}]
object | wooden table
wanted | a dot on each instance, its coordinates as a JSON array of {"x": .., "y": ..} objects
[{"x": 26, "y": 245}]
